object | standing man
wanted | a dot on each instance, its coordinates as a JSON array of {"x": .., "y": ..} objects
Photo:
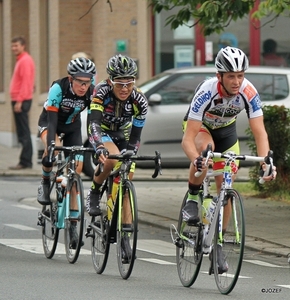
[{"x": 21, "y": 92}]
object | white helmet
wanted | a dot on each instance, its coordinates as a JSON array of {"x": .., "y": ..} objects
[{"x": 231, "y": 59}]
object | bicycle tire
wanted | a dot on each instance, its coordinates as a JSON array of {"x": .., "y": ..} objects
[
  {"x": 188, "y": 256},
  {"x": 73, "y": 247},
  {"x": 100, "y": 244},
  {"x": 233, "y": 243},
  {"x": 126, "y": 265},
  {"x": 50, "y": 232}
]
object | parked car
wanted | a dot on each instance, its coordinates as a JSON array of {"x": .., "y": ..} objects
[{"x": 170, "y": 93}]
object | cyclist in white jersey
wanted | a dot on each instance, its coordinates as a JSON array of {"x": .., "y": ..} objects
[{"x": 211, "y": 118}]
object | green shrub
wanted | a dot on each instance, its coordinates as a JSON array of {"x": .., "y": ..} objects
[{"x": 277, "y": 124}]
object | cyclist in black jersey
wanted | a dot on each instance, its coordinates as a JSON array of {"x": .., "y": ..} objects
[
  {"x": 67, "y": 98},
  {"x": 118, "y": 113},
  {"x": 212, "y": 119}
]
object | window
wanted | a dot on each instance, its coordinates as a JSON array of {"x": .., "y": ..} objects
[
  {"x": 270, "y": 87},
  {"x": 178, "y": 88}
]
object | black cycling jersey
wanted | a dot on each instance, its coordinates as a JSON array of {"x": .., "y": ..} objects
[{"x": 115, "y": 117}]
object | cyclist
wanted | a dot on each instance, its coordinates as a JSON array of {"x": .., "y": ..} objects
[
  {"x": 118, "y": 112},
  {"x": 211, "y": 118},
  {"x": 67, "y": 98}
]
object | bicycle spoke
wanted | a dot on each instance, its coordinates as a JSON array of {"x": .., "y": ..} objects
[
  {"x": 188, "y": 250},
  {"x": 74, "y": 225},
  {"x": 232, "y": 245},
  {"x": 98, "y": 231},
  {"x": 127, "y": 232},
  {"x": 47, "y": 219}
]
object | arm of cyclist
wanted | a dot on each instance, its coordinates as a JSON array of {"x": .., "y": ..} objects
[
  {"x": 261, "y": 139},
  {"x": 95, "y": 136},
  {"x": 189, "y": 147}
]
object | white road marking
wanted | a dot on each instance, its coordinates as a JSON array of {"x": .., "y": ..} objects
[
  {"x": 35, "y": 246},
  {"x": 157, "y": 247},
  {"x": 284, "y": 286},
  {"x": 21, "y": 227},
  {"x": 157, "y": 261},
  {"x": 229, "y": 275},
  {"x": 264, "y": 264}
]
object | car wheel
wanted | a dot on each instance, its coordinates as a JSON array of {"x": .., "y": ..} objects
[{"x": 89, "y": 166}]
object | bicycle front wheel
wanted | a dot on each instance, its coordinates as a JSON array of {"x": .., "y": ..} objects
[
  {"x": 229, "y": 245},
  {"x": 74, "y": 223},
  {"x": 127, "y": 230},
  {"x": 188, "y": 249},
  {"x": 48, "y": 218},
  {"x": 100, "y": 243},
  {"x": 49, "y": 230}
]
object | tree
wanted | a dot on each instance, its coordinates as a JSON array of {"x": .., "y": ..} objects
[{"x": 214, "y": 16}]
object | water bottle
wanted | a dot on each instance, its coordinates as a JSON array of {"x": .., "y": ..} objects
[
  {"x": 205, "y": 210},
  {"x": 59, "y": 180},
  {"x": 210, "y": 210},
  {"x": 112, "y": 197}
]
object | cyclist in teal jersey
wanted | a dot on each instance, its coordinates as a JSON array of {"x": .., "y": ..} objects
[{"x": 67, "y": 98}]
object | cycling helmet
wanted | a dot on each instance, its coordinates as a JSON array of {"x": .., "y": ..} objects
[
  {"x": 81, "y": 67},
  {"x": 231, "y": 59},
  {"x": 120, "y": 66}
]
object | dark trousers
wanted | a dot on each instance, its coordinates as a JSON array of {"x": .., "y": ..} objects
[{"x": 23, "y": 133}]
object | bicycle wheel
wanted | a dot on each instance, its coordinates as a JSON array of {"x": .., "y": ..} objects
[
  {"x": 48, "y": 219},
  {"x": 100, "y": 244},
  {"x": 74, "y": 223},
  {"x": 189, "y": 252},
  {"x": 229, "y": 249},
  {"x": 127, "y": 233}
]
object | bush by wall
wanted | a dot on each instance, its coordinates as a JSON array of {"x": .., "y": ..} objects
[{"x": 277, "y": 124}]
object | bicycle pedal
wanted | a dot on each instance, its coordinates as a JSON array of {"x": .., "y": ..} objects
[
  {"x": 40, "y": 223},
  {"x": 178, "y": 242},
  {"x": 89, "y": 235}
]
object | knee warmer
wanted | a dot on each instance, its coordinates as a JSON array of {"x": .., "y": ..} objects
[{"x": 46, "y": 163}]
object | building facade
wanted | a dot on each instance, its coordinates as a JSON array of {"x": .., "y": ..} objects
[{"x": 56, "y": 29}]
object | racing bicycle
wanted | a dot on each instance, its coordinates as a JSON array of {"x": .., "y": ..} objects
[
  {"x": 216, "y": 231},
  {"x": 63, "y": 212},
  {"x": 108, "y": 228}
]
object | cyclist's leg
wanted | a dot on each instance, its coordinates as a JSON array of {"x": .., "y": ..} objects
[
  {"x": 73, "y": 138},
  {"x": 93, "y": 197},
  {"x": 126, "y": 211},
  {"x": 43, "y": 196},
  {"x": 233, "y": 145},
  {"x": 218, "y": 165},
  {"x": 190, "y": 210}
]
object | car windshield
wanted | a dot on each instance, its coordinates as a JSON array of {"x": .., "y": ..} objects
[{"x": 153, "y": 82}]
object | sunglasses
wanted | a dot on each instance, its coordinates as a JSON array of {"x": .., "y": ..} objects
[
  {"x": 122, "y": 85},
  {"x": 82, "y": 82}
]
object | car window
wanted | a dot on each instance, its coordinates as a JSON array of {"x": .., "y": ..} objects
[
  {"x": 271, "y": 87},
  {"x": 181, "y": 87},
  {"x": 153, "y": 82}
]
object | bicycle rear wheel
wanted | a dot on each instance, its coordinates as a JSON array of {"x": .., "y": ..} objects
[
  {"x": 127, "y": 235},
  {"x": 100, "y": 244},
  {"x": 189, "y": 252},
  {"x": 231, "y": 245},
  {"x": 74, "y": 224}
]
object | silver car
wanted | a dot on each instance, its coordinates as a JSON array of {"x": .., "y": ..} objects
[{"x": 170, "y": 93}]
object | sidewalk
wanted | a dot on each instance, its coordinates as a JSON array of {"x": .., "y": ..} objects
[{"x": 267, "y": 222}]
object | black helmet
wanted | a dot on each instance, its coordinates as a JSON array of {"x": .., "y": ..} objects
[
  {"x": 82, "y": 67},
  {"x": 231, "y": 59},
  {"x": 120, "y": 66}
]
